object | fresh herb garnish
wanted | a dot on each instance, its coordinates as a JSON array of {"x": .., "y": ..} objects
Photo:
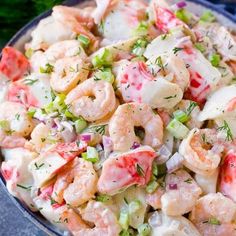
[
  {"x": 102, "y": 198},
  {"x": 191, "y": 107},
  {"x": 213, "y": 221},
  {"x": 48, "y": 69},
  {"x": 226, "y": 129},
  {"x": 140, "y": 170},
  {"x": 126, "y": 201},
  {"x": 176, "y": 49},
  {"x": 189, "y": 180},
  {"x": 28, "y": 188},
  {"x": 163, "y": 37},
  {"x": 160, "y": 63},
  {"x": 17, "y": 116},
  {"x": 98, "y": 129},
  {"x": 37, "y": 167},
  {"x": 174, "y": 96},
  {"x": 52, "y": 201},
  {"x": 204, "y": 138},
  {"x": 30, "y": 81}
]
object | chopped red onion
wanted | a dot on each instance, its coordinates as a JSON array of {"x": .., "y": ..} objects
[
  {"x": 135, "y": 145},
  {"x": 181, "y": 4},
  {"x": 173, "y": 186},
  {"x": 106, "y": 141},
  {"x": 107, "y": 144},
  {"x": 85, "y": 137},
  {"x": 68, "y": 136},
  {"x": 163, "y": 155},
  {"x": 174, "y": 163},
  {"x": 155, "y": 220}
]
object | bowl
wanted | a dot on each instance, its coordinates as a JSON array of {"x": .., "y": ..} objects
[{"x": 23, "y": 35}]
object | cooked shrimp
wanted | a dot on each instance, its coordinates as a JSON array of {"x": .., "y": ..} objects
[
  {"x": 154, "y": 199},
  {"x": 198, "y": 152},
  {"x": 58, "y": 50},
  {"x": 101, "y": 10},
  {"x": 181, "y": 193},
  {"x": 131, "y": 115},
  {"x": 209, "y": 184},
  {"x": 78, "y": 20},
  {"x": 76, "y": 184},
  {"x": 15, "y": 125},
  {"x": 68, "y": 72},
  {"x": 105, "y": 221},
  {"x": 124, "y": 170},
  {"x": 39, "y": 137},
  {"x": 227, "y": 182},
  {"x": 164, "y": 225},
  {"x": 218, "y": 208},
  {"x": 41, "y": 39},
  {"x": 177, "y": 66},
  {"x": 83, "y": 104}
]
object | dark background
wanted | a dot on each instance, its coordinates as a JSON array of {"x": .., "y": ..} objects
[{"x": 13, "y": 15}]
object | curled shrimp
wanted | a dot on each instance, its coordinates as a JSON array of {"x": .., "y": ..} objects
[
  {"x": 76, "y": 184},
  {"x": 15, "y": 125},
  {"x": 198, "y": 153},
  {"x": 68, "y": 72},
  {"x": 92, "y": 99},
  {"x": 131, "y": 115},
  {"x": 154, "y": 199},
  {"x": 177, "y": 66},
  {"x": 58, "y": 50},
  {"x": 80, "y": 21},
  {"x": 179, "y": 201},
  {"x": 217, "y": 207},
  {"x": 105, "y": 221}
]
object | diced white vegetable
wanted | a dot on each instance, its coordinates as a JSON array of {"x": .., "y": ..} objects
[{"x": 175, "y": 162}]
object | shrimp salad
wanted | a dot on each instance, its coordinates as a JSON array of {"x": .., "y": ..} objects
[{"x": 119, "y": 119}]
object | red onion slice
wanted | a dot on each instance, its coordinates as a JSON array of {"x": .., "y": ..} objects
[
  {"x": 85, "y": 137},
  {"x": 135, "y": 145},
  {"x": 181, "y": 4},
  {"x": 174, "y": 163},
  {"x": 173, "y": 186}
]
